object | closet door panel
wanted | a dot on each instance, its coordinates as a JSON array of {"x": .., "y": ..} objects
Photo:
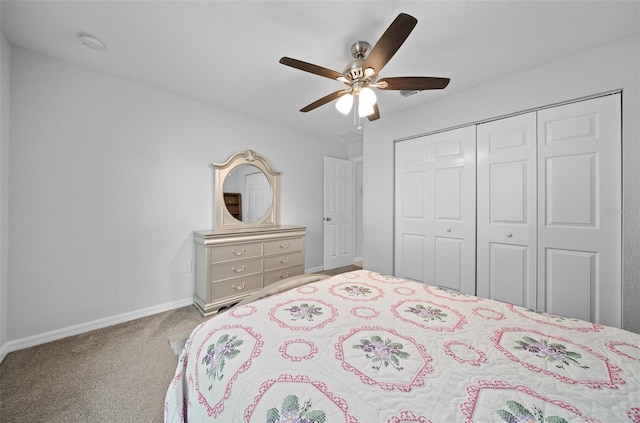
[
  {"x": 413, "y": 257},
  {"x": 449, "y": 262},
  {"x": 579, "y": 233},
  {"x": 570, "y": 190},
  {"x": 448, "y": 189},
  {"x": 507, "y": 282},
  {"x": 506, "y": 183},
  {"x": 574, "y": 299}
]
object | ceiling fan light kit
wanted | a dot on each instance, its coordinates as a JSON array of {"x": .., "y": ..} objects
[
  {"x": 362, "y": 74},
  {"x": 366, "y": 99}
]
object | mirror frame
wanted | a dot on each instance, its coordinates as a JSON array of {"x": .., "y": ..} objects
[{"x": 222, "y": 218}]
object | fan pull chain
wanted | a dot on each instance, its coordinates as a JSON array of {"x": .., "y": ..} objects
[{"x": 356, "y": 117}]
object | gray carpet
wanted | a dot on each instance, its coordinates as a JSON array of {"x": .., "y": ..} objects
[{"x": 116, "y": 374}]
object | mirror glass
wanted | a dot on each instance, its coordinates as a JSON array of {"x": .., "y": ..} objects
[{"x": 247, "y": 193}]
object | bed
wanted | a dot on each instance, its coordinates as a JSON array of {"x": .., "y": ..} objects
[{"x": 365, "y": 347}]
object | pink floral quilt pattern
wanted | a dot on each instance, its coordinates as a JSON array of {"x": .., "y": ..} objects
[{"x": 365, "y": 347}]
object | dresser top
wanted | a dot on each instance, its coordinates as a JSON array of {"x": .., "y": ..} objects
[{"x": 224, "y": 233}]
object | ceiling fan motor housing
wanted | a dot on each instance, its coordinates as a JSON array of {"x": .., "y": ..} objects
[{"x": 354, "y": 69}]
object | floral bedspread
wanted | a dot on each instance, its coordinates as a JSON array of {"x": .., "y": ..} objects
[{"x": 363, "y": 347}]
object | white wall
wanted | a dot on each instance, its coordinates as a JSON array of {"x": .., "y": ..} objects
[
  {"x": 610, "y": 67},
  {"x": 358, "y": 165},
  {"x": 355, "y": 154},
  {"x": 108, "y": 180},
  {"x": 5, "y": 55}
]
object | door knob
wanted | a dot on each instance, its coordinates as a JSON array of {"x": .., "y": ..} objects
[{"x": 327, "y": 219}]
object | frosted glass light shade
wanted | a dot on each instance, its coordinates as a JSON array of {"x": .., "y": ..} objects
[
  {"x": 366, "y": 101},
  {"x": 367, "y": 97},
  {"x": 364, "y": 110},
  {"x": 344, "y": 104}
]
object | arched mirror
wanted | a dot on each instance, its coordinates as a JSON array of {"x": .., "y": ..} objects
[{"x": 247, "y": 192}]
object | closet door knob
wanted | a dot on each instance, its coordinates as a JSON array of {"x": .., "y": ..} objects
[{"x": 509, "y": 234}]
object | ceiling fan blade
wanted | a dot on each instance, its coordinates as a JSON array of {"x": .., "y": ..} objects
[
  {"x": 308, "y": 67},
  {"x": 418, "y": 83},
  {"x": 390, "y": 42},
  {"x": 376, "y": 113},
  {"x": 324, "y": 100}
]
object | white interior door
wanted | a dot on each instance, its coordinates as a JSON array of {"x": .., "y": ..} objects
[
  {"x": 339, "y": 194},
  {"x": 507, "y": 209},
  {"x": 435, "y": 209},
  {"x": 579, "y": 210},
  {"x": 258, "y": 196}
]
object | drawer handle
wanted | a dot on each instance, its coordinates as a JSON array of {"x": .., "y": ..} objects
[
  {"x": 240, "y": 270},
  {"x": 283, "y": 276},
  {"x": 509, "y": 234},
  {"x": 285, "y": 245},
  {"x": 238, "y": 253},
  {"x": 238, "y": 287},
  {"x": 284, "y": 260}
]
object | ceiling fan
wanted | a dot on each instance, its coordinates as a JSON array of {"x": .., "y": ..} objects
[{"x": 362, "y": 73}]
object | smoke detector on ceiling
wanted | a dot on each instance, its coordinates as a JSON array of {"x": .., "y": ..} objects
[{"x": 91, "y": 41}]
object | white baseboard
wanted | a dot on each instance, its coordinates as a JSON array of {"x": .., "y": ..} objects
[
  {"x": 320, "y": 269},
  {"x": 54, "y": 335},
  {"x": 314, "y": 270},
  {"x": 4, "y": 350}
]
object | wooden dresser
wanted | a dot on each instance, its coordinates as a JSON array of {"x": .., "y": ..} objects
[{"x": 229, "y": 265}]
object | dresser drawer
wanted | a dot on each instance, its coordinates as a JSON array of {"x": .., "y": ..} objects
[
  {"x": 220, "y": 253},
  {"x": 284, "y": 260},
  {"x": 282, "y": 246},
  {"x": 277, "y": 275},
  {"x": 236, "y": 286},
  {"x": 233, "y": 269}
]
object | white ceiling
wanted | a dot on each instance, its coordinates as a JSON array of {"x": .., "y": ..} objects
[{"x": 226, "y": 52}]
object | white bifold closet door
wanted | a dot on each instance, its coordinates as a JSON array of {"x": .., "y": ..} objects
[
  {"x": 549, "y": 225},
  {"x": 579, "y": 210},
  {"x": 507, "y": 210},
  {"x": 435, "y": 209}
]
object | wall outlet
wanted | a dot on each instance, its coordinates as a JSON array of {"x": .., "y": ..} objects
[{"x": 187, "y": 267}]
